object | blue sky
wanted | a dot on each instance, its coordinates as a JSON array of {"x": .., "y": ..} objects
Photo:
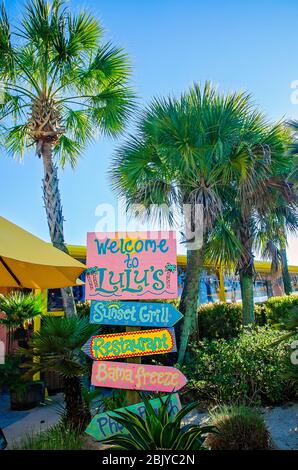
[{"x": 249, "y": 45}]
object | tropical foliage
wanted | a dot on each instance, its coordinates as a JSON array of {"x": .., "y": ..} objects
[
  {"x": 263, "y": 204},
  {"x": 215, "y": 152},
  {"x": 279, "y": 309},
  {"x": 220, "y": 320},
  {"x": 158, "y": 430},
  {"x": 246, "y": 370},
  {"x": 291, "y": 326},
  {"x": 63, "y": 85},
  {"x": 19, "y": 307},
  {"x": 57, "y": 348}
]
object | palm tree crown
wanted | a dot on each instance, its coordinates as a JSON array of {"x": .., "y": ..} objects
[
  {"x": 61, "y": 82},
  {"x": 62, "y": 85}
]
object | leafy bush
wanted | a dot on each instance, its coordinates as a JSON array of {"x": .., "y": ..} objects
[
  {"x": 157, "y": 430},
  {"x": 58, "y": 437},
  {"x": 224, "y": 320},
  {"x": 220, "y": 320},
  {"x": 278, "y": 309},
  {"x": 291, "y": 326},
  {"x": 260, "y": 314},
  {"x": 246, "y": 370},
  {"x": 238, "y": 428}
]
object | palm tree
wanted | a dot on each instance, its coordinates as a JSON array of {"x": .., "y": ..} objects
[
  {"x": 18, "y": 308},
  {"x": 190, "y": 151},
  {"x": 62, "y": 85},
  {"x": 257, "y": 216},
  {"x": 57, "y": 348},
  {"x": 293, "y": 176},
  {"x": 273, "y": 244}
]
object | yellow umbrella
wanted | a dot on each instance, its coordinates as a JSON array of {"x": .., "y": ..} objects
[{"x": 28, "y": 261}]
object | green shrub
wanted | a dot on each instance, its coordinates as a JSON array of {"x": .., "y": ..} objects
[
  {"x": 220, "y": 320},
  {"x": 260, "y": 314},
  {"x": 238, "y": 428},
  {"x": 246, "y": 370},
  {"x": 58, "y": 437},
  {"x": 224, "y": 320},
  {"x": 278, "y": 309}
]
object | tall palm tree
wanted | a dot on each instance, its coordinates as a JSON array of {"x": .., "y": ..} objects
[
  {"x": 293, "y": 176},
  {"x": 57, "y": 348},
  {"x": 270, "y": 208},
  {"x": 62, "y": 85},
  {"x": 192, "y": 151},
  {"x": 272, "y": 241}
]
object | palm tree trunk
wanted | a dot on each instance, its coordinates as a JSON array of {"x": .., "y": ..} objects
[
  {"x": 10, "y": 342},
  {"x": 246, "y": 272},
  {"x": 77, "y": 413},
  {"x": 285, "y": 272},
  {"x": 247, "y": 295},
  {"x": 189, "y": 299},
  {"x": 53, "y": 206},
  {"x": 269, "y": 288}
]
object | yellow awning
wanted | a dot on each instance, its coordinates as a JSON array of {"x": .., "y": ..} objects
[{"x": 28, "y": 261}]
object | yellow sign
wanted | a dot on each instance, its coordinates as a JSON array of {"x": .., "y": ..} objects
[{"x": 130, "y": 344}]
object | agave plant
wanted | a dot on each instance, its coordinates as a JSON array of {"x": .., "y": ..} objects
[{"x": 157, "y": 429}]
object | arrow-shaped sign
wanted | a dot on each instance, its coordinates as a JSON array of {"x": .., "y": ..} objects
[
  {"x": 131, "y": 344},
  {"x": 103, "y": 425},
  {"x": 134, "y": 313},
  {"x": 137, "y": 376}
]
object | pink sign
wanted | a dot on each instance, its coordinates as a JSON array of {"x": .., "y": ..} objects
[
  {"x": 131, "y": 268},
  {"x": 136, "y": 376}
]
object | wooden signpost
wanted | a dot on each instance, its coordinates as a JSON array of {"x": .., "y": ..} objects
[
  {"x": 136, "y": 376},
  {"x": 103, "y": 425},
  {"x": 131, "y": 344},
  {"x": 122, "y": 273},
  {"x": 134, "y": 313}
]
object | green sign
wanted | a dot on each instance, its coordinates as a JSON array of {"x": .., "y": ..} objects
[{"x": 103, "y": 425}]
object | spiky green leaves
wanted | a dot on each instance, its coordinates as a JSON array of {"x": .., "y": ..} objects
[
  {"x": 157, "y": 429},
  {"x": 58, "y": 346},
  {"x": 19, "y": 307}
]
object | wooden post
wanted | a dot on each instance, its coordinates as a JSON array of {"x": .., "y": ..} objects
[{"x": 132, "y": 396}]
